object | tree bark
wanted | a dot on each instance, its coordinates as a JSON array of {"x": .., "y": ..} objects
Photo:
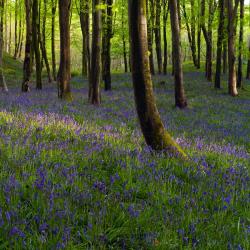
[
  {"x": 35, "y": 41},
  {"x": 106, "y": 45},
  {"x": 165, "y": 49},
  {"x": 152, "y": 127},
  {"x": 84, "y": 21},
  {"x": 180, "y": 99},
  {"x": 64, "y": 73},
  {"x": 239, "y": 79},
  {"x": 232, "y": 12},
  {"x": 124, "y": 44},
  {"x": 207, "y": 32},
  {"x": 3, "y": 85},
  {"x": 191, "y": 31},
  {"x": 28, "y": 44},
  {"x": 157, "y": 30},
  {"x": 42, "y": 41},
  {"x": 95, "y": 72},
  {"x": 219, "y": 44},
  {"x": 150, "y": 18},
  {"x": 53, "y": 53},
  {"x": 15, "y": 32}
]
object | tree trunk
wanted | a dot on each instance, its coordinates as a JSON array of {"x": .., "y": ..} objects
[
  {"x": 157, "y": 30},
  {"x": 165, "y": 50},
  {"x": 35, "y": 41},
  {"x": 3, "y": 85},
  {"x": 64, "y": 73},
  {"x": 53, "y": 53},
  {"x": 125, "y": 61},
  {"x": 84, "y": 21},
  {"x": 10, "y": 33},
  {"x": 150, "y": 36},
  {"x": 199, "y": 37},
  {"x": 225, "y": 56},
  {"x": 219, "y": 44},
  {"x": 28, "y": 44},
  {"x": 43, "y": 42},
  {"x": 152, "y": 127},
  {"x": 95, "y": 72},
  {"x": 207, "y": 32},
  {"x": 15, "y": 33},
  {"x": 232, "y": 12},
  {"x": 106, "y": 45},
  {"x": 191, "y": 31},
  {"x": 21, "y": 44},
  {"x": 180, "y": 99},
  {"x": 248, "y": 62},
  {"x": 239, "y": 79}
]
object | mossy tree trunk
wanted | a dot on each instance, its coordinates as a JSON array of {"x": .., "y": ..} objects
[
  {"x": 180, "y": 98},
  {"x": 152, "y": 127},
  {"x": 64, "y": 73},
  {"x": 28, "y": 44},
  {"x": 95, "y": 72}
]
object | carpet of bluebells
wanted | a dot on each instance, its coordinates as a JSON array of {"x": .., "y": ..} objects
[{"x": 74, "y": 176}]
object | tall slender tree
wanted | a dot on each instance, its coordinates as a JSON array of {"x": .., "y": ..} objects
[
  {"x": 3, "y": 84},
  {"x": 95, "y": 71},
  {"x": 231, "y": 22},
  {"x": 35, "y": 43},
  {"x": 219, "y": 44},
  {"x": 150, "y": 24},
  {"x": 180, "y": 98},
  {"x": 165, "y": 44},
  {"x": 84, "y": 21},
  {"x": 53, "y": 52},
  {"x": 28, "y": 44},
  {"x": 157, "y": 30},
  {"x": 239, "y": 78},
  {"x": 150, "y": 121},
  {"x": 42, "y": 40},
  {"x": 106, "y": 44},
  {"x": 64, "y": 73}
]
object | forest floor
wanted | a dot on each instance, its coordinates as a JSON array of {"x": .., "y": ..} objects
[{"x": 74, "y": 176}]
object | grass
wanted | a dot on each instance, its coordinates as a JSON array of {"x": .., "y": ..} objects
[{"x": 73, "y": 176}]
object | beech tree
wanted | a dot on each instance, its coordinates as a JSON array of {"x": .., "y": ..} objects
[
  {"x": 35, "y": 43},
  {"x": 53, "y": 53},
  {"x": 239, "y": 78},
  {"x": 3, "y": 85},
  {"x": 106, "y": 44},
  {"x": 219, "y": 43},
  {"x": 64, "y": 73},
  {"x": 157, "y": 30},
  {"x": 95, "y": 71},
  {"x": 84, "y": 21},
  {"x": 150, "y": 121},
  {"x": 28, "y": 44},
  {"x": 180, "y": 99},
  {"x": 232, "y": 14}
]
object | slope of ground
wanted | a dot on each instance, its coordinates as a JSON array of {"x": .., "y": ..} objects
[{"x": 74, "y": 176}]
